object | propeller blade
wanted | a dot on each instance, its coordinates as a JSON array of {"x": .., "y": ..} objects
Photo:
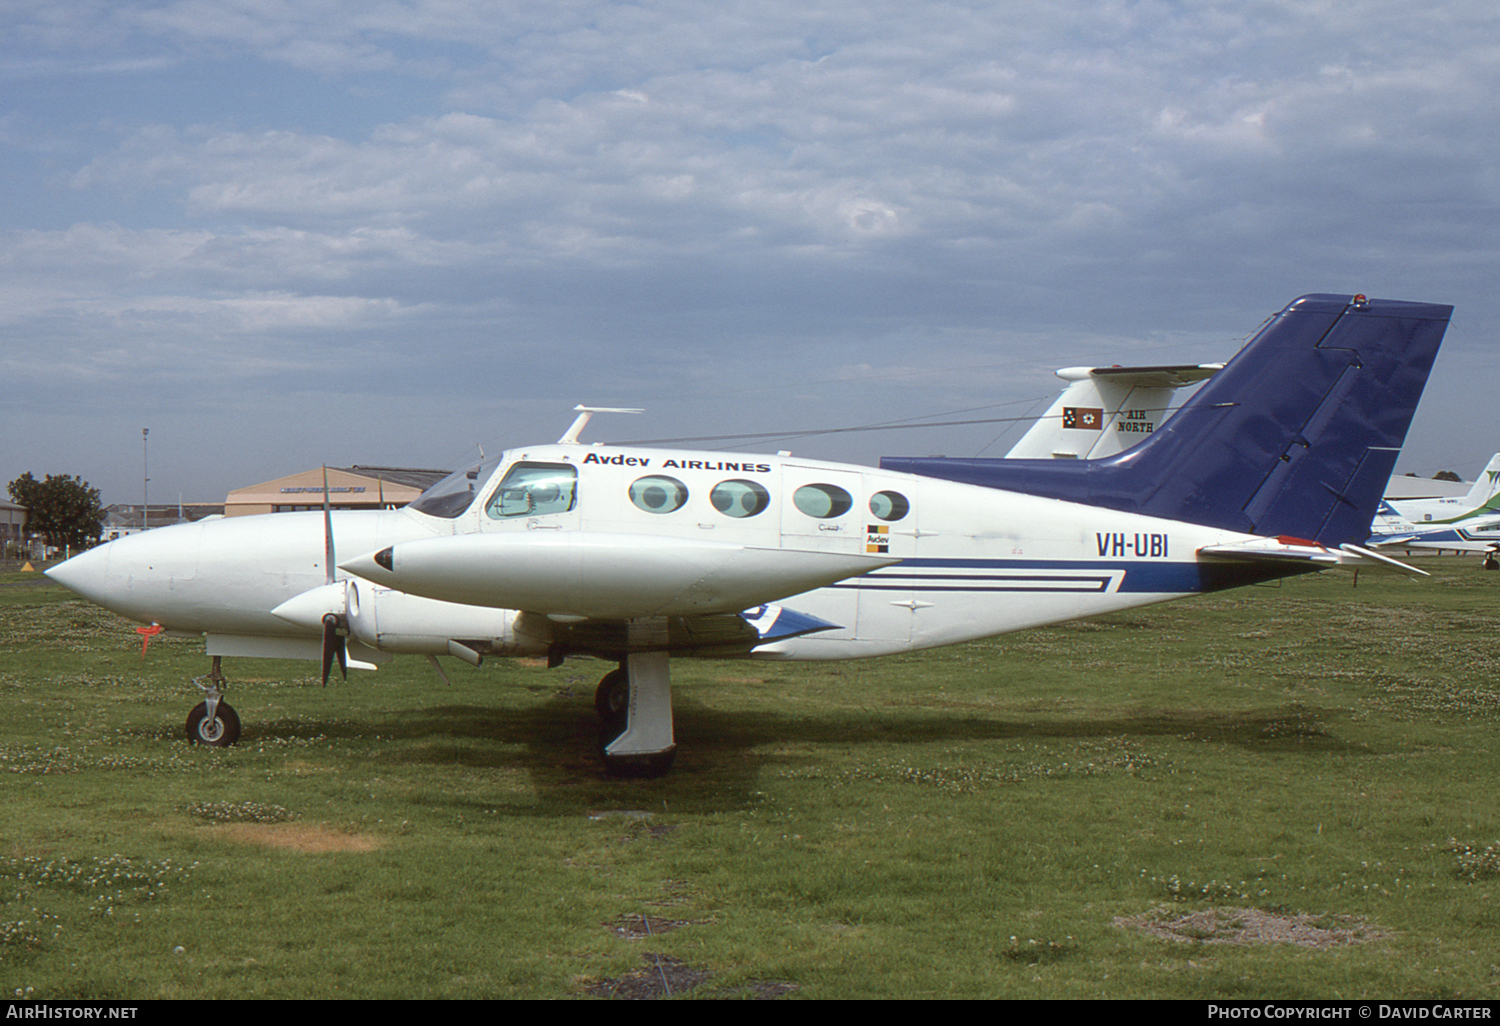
[
  {"x": 327, "y": 540},
  {"x": 334, "y": 646}
]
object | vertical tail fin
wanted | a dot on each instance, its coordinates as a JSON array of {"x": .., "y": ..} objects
[
  {"x": 1297, "y": 435},
  {"x": 1486, "y": 485}
]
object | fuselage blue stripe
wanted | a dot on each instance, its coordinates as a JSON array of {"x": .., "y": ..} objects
[
  {"x": 1164, "y": 577},
  {"x": 1083, "y": 584}
]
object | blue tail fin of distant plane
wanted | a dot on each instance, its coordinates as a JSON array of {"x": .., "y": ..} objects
[{"x": 1297, "y": 435}]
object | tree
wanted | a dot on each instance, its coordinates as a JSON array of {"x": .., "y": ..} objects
[
  {"x": 1446, "y": 475},
  {"x": 64, "y": 510}
]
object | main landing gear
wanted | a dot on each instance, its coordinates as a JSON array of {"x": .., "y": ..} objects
[
  {"x": 212, "y": 721},
  {"x": 634, "y": 704}
]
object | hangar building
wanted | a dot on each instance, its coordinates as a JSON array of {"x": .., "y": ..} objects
[{"x": 356, "y": 487}]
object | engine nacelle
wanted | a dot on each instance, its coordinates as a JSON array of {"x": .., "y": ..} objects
[{"x": 394, "y": 621}]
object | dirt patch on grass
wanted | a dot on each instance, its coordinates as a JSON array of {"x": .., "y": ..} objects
[
  {"x": 1251, "y": 926},
  {"x": 309, "y": 838},
  {"x": 662, "y": 976},
  {"x": 635, "y": 927}
]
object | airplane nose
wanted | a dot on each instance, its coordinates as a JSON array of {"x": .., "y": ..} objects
[
  {"x": 140, "y": 576},
  {"x": 85, "y": 574}
]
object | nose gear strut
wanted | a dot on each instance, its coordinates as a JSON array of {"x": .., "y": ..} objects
[{"x": 213, "y": 721}]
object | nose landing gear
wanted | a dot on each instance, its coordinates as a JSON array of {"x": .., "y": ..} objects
[{"x": 213, "y": 721}]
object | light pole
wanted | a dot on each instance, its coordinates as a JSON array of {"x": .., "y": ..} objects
[{"x": 145, "y": 478}]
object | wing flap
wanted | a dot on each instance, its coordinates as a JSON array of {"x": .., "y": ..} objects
[{"x": 725, "y": 633}]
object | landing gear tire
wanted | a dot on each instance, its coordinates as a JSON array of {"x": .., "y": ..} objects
[
  {"x": 1490, "y": 563},
  {"x": 221, "y": 732},
  {"x": 612, "y": 703},
  {"x": 612, "y": 698}
]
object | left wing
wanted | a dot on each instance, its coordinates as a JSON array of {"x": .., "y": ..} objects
[{"x": 715, "y": 633}]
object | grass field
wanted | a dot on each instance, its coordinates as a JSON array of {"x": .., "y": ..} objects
[{"x": 1285, "y": 792}]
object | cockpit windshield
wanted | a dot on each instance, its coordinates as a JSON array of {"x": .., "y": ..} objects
[{"x": 455, "y": 493}]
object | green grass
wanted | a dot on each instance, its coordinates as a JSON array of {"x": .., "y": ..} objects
[{"x": 976, "y": 821}]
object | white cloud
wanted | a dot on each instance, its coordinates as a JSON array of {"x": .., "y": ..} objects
[{"x": 656, "y": 196}]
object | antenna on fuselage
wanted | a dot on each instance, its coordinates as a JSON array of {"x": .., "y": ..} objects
[{"x": 570, "y": 436}]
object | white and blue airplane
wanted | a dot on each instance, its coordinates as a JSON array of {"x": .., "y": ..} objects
[
  {"x": 1481, "y": 534},
  {"x": 1466, "y": 523},
  {"x": 639, "y": 555}
]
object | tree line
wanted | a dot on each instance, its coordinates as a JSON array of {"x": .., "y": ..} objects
[{"x": 64, "y": 510}]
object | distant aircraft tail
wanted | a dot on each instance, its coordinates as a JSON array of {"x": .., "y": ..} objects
[
  {"x": 1106, "y": 409},
  {"x": 1297, "y": 435},
  {"x": 1486, "y": 491}
]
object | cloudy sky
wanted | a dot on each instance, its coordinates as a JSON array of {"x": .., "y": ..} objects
[{"x": 282, "y": 234}]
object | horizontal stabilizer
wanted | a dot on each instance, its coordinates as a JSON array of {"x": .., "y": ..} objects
[
  {"x": 1173, "y": 376},
  {"x": 1292, "y": 550},
  {"x": 1363, "y": 553}
]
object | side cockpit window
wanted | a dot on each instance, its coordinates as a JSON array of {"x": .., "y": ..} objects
[
  {"x": 455, "y": 493},
  {"x": 534, "y": 489}
]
